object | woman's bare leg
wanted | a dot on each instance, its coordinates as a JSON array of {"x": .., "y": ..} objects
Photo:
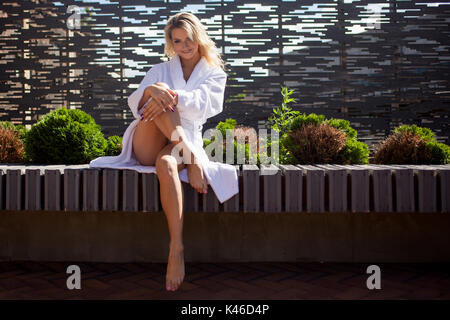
[
  {"x": 148, "y": 140},
  {"x": 169, "y": 122},
  {"x": 172, "y": 196}
]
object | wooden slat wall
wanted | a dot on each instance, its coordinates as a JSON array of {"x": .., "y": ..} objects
[
  {"x": 250, "y": 178},
  {"x": 332, "y": 188},
  {"x": 293, "y": 184},
  {"x": 315, "y": 188},
  {"x": 272, "y": 188}
]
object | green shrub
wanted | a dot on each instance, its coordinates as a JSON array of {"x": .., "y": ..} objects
[
  {"x": 410, "y": 144},
  {"x": 222, "y": 126},
  {"x": 237, "y": 130},
  {"x": 114, "y": 146},
  {"x": 64, "y": 136},
  {"x": 308, "y": 138}
]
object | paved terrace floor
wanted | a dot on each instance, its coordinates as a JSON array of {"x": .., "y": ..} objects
[{"x": 274, "y": 281}]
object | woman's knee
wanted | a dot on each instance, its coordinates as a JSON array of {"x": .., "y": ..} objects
[{"x": 166, "y": 164}]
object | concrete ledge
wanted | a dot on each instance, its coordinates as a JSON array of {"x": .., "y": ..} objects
[{"x": 226, "y": 236}]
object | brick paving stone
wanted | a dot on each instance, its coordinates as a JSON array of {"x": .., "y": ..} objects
[
  {"x": 94, "y": 284},
  {"x": 211, "y": 285},
  {"x": 230, "y": 294},
  {"x": 353, "y": 293},
  {"x": 271, "y": 285},
  {"x": 266, "y": 280},
  {"x": 291, "y": 294},
  {"x": 314, "y": 291}
]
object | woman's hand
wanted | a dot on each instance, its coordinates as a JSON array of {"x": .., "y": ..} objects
[
  {"x": 161, "y": 99},
  {"x": 151, "y": 110},
  {"x": 163, "y": 94}
]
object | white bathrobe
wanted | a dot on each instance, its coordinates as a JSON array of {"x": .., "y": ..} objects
[{"x": 198, "y": 99}]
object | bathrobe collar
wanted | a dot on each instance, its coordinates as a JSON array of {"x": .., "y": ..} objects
[{"x": 176, "y": 72}]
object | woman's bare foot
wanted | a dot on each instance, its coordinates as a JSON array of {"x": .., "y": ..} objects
[
  {"x": 175, "y": 268},
  {"x": 197, "y": 178}
]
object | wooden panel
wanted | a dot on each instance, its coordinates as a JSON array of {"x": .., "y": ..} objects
[
  {"x": 150, "y": 192},
  {"x": 33, "y": 188},
  {"x": 52, "y": 190},
  {"x": 2, "y": 187},
  {"x": 293, "y": 187},
  {"x": 110, "y": 192},
  {"x": 444, "y": 178},
  {"x": 130, "y": 190},
  {"x": 72, "y": 186},
  {"x": 250, "y": 177},
  {"x": 337, "y": 187},
  {"x": 14, "y": 189},
  {"x": 404, "y": 184},
  {"x": 232, "y": 204},
  {"x": 190, "y": 203},
  {"x": 91, "y": 189},
  {"x": 272, "y": 187},
  {"x": 315, "y": 188},
  {"x": 427, "y": 185},
  {"x": 382, "y": 189},
  {"x": 210, "y": 201}
]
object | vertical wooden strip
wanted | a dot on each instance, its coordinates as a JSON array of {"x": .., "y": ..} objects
[
  {"x": 13, "y": 189},
  {"x": 150, "y": 192},
  {"x": 293, "y": 187},
  {"x": 110, "y": 194},
  {"x": 360, "y": 190},
  {"x": 2, "y": 187},
  {"x": 130, "y": 190},
  {"x": 72, "y": 185},
  {"x": 52, "y": 190},
  {"x": 382, "y": 190},
  {"x": 91, "y": 189},
  {"x": 404, "y": 181},
  {"x": 210, "y": 201},
  {"x": 337, "y": 187},
  {"x": 190, "y": 202},
  {"x": 232, "y": 204},
  {"x": 444, "y": 178},
  {"x": 441, "y": 173},
  {"x": 250, "y": 175},
  {"x": 272, "y": 187},
  {"x": 427, "y": 192},
  {"x": 33, "y": 190},
  {"x": 315, "y": 188}
]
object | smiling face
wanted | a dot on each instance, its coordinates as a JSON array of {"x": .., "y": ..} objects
[{"x": 183, "y": 46}]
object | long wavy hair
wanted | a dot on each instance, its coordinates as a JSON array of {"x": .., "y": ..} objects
[{"x": 196, "y": 32}]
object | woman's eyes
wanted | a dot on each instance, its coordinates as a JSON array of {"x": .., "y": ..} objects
[{"x": 177, "y": 41}]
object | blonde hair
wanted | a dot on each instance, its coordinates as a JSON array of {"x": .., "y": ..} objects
[{"x": 196, "y": 32}]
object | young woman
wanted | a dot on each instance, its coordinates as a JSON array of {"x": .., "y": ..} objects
[{"x": 171, "y": 104}]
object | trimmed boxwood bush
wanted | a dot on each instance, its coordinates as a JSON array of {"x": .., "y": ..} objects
[
  {"x": 230, "y": 124},
  {"x": 64, "y": 136},
  {"x": 410, "y": 144},
  {"x": 311, "y": 139}
]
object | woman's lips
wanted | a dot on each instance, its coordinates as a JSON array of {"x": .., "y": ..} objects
[{"x": 187, "y": 52}]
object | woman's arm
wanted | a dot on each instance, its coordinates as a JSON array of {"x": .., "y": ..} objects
[{"x": 207, "y": 100}]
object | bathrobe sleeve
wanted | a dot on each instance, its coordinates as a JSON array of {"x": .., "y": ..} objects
[
  {"x": 206, "y": 100},
  {"x": 150, "y": 78}
]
